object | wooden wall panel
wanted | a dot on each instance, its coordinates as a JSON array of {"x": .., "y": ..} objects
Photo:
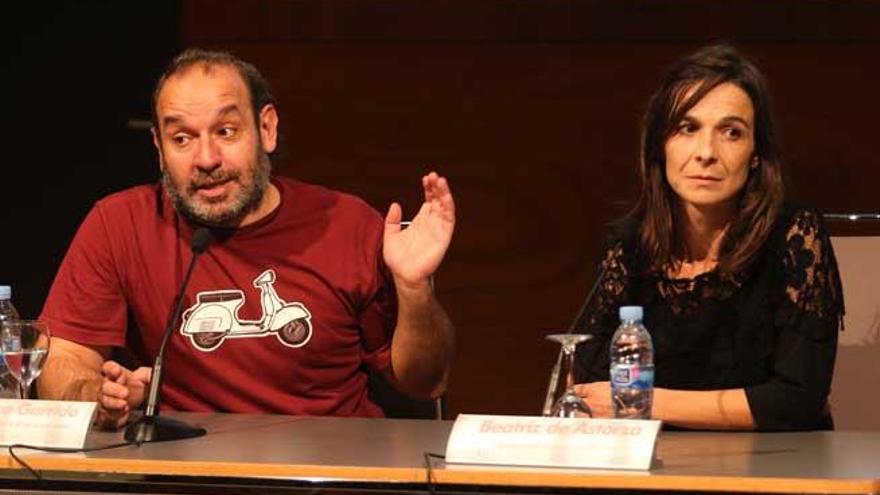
[{"x": 532, "y": 110}]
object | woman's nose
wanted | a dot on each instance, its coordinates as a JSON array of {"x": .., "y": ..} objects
[{"x": 705, "y": 152}]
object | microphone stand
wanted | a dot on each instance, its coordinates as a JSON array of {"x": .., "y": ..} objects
[{"x": 151, "y": 427}]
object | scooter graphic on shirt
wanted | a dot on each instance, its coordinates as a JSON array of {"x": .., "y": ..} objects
[{"x": 214, "y": 317}]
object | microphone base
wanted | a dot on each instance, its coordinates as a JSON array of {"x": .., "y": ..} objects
[{"x": 160, "y": 429}]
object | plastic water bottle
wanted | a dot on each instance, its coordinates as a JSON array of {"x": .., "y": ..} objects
[
  {"x": 8, "y": 384},
  {"x": 632, "y": 366}
]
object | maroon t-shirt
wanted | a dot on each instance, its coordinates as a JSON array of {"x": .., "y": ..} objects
[{"x": 282, "y": 316}]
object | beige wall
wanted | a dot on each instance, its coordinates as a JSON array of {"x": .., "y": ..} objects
[{"x": 854, "y": 396}]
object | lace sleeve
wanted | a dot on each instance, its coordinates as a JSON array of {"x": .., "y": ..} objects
[
  {"x": 812, "y": 281},
  {"x": 599, "y": 316},
  {"x": 808, "y": 320}
]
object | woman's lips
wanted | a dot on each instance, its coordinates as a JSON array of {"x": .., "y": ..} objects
[{"x": 704, "y": 179}]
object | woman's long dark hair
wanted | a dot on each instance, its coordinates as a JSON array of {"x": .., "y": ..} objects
[{"x": 686, "y": 84}]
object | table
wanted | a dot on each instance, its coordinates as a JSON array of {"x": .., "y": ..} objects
[{"x": 288, "y": 453}]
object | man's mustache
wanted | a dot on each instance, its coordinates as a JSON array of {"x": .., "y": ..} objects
[{"x": 210, "y": 179}]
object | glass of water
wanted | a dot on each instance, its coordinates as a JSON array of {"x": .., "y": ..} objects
[
  {"x": 568, "y": 405},
  {"x": 25, "y": 345}
]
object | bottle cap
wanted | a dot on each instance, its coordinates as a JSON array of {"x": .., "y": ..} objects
[
  {"x": 631, "y": 313},
  {"x": 5, "y": 292}
]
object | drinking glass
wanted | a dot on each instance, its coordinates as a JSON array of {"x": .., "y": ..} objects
[
  {"x": 25, "y": 345},
  {"x": 569, "y": 405}
]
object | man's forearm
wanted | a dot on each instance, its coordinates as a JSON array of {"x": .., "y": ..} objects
[
  {"x": 65, "y": 378},
  {"x": 423, "y": 342},
  {"x": 72, "y": 371}
]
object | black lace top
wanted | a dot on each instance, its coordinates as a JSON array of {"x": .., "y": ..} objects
[{"x": 771, "y": 329}]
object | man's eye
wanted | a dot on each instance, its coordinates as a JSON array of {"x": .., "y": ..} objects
[
  {"x": 180, "y": 139},
  {"x": 227, "y": 131}
]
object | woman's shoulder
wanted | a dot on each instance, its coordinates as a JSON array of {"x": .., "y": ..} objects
[
  {"x": 799, "y": 221},
  {"x": 806, "y": 255}
]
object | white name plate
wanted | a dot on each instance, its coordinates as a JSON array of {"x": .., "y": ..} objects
[
  {"x": 553, "y": 442},
  {"x": 45, "y": 423}
]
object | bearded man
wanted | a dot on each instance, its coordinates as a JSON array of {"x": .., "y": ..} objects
[{"x": 302, "y": 292}]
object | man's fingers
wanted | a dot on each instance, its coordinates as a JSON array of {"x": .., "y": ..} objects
[
  {"x": 112, "y": 398},
  {"x": 113, "y": 410},
  {"x": 429, "y": 185},
  {"x": 143, "y": 374},
  {"x": 111, "y": 419},
  {"x": 439, "y": 195},
  {"x": 444, "y": 197},
  {"x": 112, "y": 370},
  {"x": 113, "y": 405},
  {"x": 392, "y": 219},
  {"x": 114, "y": 390}
]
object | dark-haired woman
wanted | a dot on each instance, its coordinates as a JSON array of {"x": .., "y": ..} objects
[{"x": 740, "y": 289}]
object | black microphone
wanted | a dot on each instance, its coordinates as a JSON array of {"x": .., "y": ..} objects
[
  {"x": 151, "y": 427},
  {"x": 577, "y": 322}
]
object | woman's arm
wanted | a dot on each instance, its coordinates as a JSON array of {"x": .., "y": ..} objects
[
  {"x": 704, "y": 409},
  {"x": 697, "y": 409},
  {"x": 809, "y": 318}
]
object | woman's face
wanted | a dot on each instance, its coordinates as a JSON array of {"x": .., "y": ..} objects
[{"x": 711, "y": 150}]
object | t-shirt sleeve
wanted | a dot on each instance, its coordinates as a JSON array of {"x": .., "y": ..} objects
[
  {"x": 85, "y": 303},
  {"x": 809, "y": 319},
  {"x": 378, "y": 318}
]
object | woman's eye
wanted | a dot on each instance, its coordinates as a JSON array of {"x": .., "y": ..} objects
[
  {"x": 687, "y": 128},
  {"x": 733, "y": 133}
]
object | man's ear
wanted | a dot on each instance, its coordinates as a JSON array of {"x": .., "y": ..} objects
[
  {"x": 158, "y": 145},
  {"x": 269, "y": 128}
]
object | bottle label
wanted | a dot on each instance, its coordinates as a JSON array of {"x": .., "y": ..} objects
[{"x": 638, "y": 376}]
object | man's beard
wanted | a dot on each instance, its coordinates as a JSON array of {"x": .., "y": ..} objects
[{"x": 248, "y": 199}]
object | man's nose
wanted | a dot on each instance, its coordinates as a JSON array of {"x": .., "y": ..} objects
[{"x": 208, "y": 156}]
